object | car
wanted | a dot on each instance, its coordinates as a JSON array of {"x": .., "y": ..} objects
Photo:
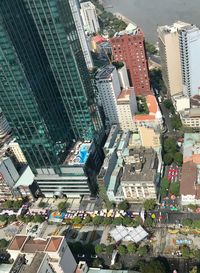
[
  {"x": 93, "y": 256},
  {"x": 81, "y": 255}
]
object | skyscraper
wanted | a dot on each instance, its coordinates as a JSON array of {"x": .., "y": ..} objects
[
  {"x": 45, "y": 91},
  {"x": 179, "y": 49},
  {"x": 128, "y": 46}
]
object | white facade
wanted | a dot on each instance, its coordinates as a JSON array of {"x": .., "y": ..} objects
[
  {"x": 108, "y": 86},
  {"x": 123, "y": 77},
  {"x": 127, "y": 107},
  {"x": 90, "y": 19},
  {"x": 81, "y": 33},
  {"x": 181, "y": 102},
  {"x": 189, "y": 40}
]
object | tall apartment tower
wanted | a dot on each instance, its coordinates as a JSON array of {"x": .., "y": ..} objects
[
  {"x": 128, "y": 46},
  {"x": 74, "y": 4},
  {"x": 179, "y": 50},
  {"x": 108, "y": 85},
  {"x": 45, "y": 91},
  {"x": 89, "y": 15}
]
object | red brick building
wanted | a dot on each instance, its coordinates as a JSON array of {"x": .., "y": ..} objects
[{"x": 128, "y": 46}]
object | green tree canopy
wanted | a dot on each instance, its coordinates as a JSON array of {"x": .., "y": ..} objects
[
  {"x": 194, "y": 270},
  {"x": 122, "y": 250},
  {"x": 97, "y": 220},
  {"x": 153, "y": 267},
  {"x": 149, "y": 204},
  {"x": 62, "y": 206},
  {"x": 174, "y": 188},
  {"x": 42, "y": 205},
  {"x": 77, "y": 220},
  {"x": 150, "y": 48},
  {"x": 167, "y": 159},
  {"x": 109, "y": 249},
  {"x": 185, "y": 251},
  {"x": 107, "y": 221},
  {"x": 38, "y": 219},
  {"x": 142, "y": 251},
  {"x": 124, "y": 205},
  {"x": 99, "y": 248},
  {"x": 187, "y": 222},
  {"x": 127, "y": 221},
  {"x": 176, "y": 122},
  {"x": 148, "y": 222},
  {"x": 178, "y": 158},
  {"x": 3, "y": 243},
  {"x": 170, "y": 145},
  {"x": 87, "y": 220},
  {"x": 164, "y": 186},
  {"x": 132, "y": 248},
  {"x": 117, "y": 221}
]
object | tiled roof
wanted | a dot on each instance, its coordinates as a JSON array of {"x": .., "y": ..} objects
[
  {"x": 143, "y": 117},
  {"x": 54, "y": 244},
  {"x": 32, "y": 245},
  {"x": 189, "y": 179},
  {"x": 152, "y": 104},
  {"x": 17, "y": 242}
]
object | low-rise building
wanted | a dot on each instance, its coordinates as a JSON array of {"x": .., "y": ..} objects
[
  {"x": 190, "y": 183},
  {"x": 139, "y": 177},
  {"x": 38, "y": 255},
  {"x": 151, "y": 120},
  {"x": 191, "y": 118},
  {"x": 181, "y": 102}
]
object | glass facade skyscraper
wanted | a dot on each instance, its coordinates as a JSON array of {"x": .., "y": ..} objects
[{"x": 45, "y": 90}]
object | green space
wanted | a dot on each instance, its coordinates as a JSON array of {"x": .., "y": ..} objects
[
  {"x": 171, "y": 152},
  {"x": 108, "y": 21},
  {"x": 142, "y": 105},
  {"x": 169, "y": 188},
  {"x": 156, "y": 80},
  {"x": 150, "y": 48}
]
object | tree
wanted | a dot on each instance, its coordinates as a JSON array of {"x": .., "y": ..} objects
[
  {"x": 187, "y": 222},
  {"x": 185, "y": 251},
  {"x": 167, "y": 159},
  {"x": 42, "y": 205},
  {"x": 97, "y": 220},
  {"x": 178, "y": 158},
  {"x": 124, "y": 205},
  {"x": 99, "y": 248},
  {"x": 38, "y": 219},
  {"x": 164, "y": 186},
  {"x": 62, "y": 206},
  {"x": 132, "y": 248},
  {"x": 3, "y": 218},
  {"x": 8, "y": 204},
  {"x": 148, "y": 222},
  {"x": 107, "y": 221},
  {"x": 153, "y": 267},
  {"x": 194, "y": 270},
  {"x": 77, "y": 220},
  {"x": 87, "y": 220},
  {"x": 17, "y": 204},
  {"x": 122, "y": 250},
  {"x": 169, "y": 105},
  {"x": 174, "y": 188},
  {"x": 176, "y": 122},
  {"x": 149, "y": 204},
  {"x": 127, "y": 221},
  {"x": 142, "y": 251},
  {"x": 151, "y": 49},
  {"x": 117, "y": 221},
  {"x": 196, "y": 224},
  {"x": 3, "y": 243},
  {"x": 109, "y": 249},
  {"x": 170, "y": 145},
  {"x": 192, "y": 206},
  {"x": 11, "y": 218},
  {"x": 137, "y": 221}
]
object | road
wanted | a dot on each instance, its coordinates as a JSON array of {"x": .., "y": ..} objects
[{"x": 167, "y": 120}]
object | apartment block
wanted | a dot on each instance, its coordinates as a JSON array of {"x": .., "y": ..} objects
[
  {"x": 89, "y": 16},
  {"x": 128, "y": 47},
  {"x": 179, "y": 50}
]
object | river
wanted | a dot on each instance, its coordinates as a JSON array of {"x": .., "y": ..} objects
[{"x": 148, "y": 14}]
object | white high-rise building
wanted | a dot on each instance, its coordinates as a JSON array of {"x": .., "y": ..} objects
[
  {"x": 74, "y": 4},
  {"x": 108, "y": 86},
  {"x": 180, "y": 57},
  {"x": 90, "y": 19}
]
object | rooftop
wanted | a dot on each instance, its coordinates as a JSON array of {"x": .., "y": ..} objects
[
  {"x": 78, "y": 154},
  {"x": 128, "y": 234},
  {"x": 54, "y": 244},
  {"x": 141, "y": 165},
  {"x": 195, "y": 101},
  {"x": 131, "y": 29},
  {"x": 35, "y": 263},
  {"x": 188, "y": 185},
  {"x": 87, "y": 5},
  {"x": 191, "y": 145},
  {"x": 105, "y": 72},
  {"x": 17, "y": 242},
  {"x": 34, "y": 244},
  {"x": 125, "y": 94}
]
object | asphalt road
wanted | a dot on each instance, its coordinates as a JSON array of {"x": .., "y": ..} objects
[
  {"x": 173, "y": 217},
  {"x": 167, "y": 120}
]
